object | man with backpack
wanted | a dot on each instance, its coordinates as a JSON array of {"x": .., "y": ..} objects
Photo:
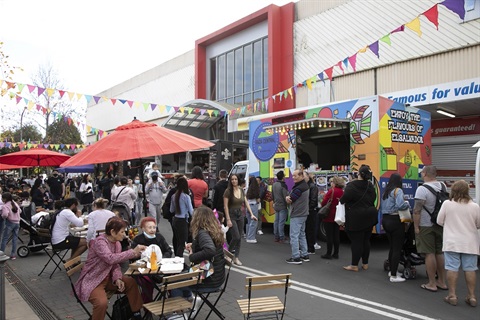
[{"x": 428, "y": 234}]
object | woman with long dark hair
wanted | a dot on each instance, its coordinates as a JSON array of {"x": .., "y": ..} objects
[
  {"x": 37, "y": 193},
  {"x": 392, "y": 201},
  {"x": 182, "y": 206},
  {"x": 253, "y": 199},
  {"x": 360, "y": 216},
  {"x": 11, "y": 213},
  {"x": 233, "y": 200},
  {"x": 86, "y": 189}
]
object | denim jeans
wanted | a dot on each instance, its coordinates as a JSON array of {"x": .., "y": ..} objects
[
  {"x": 298, "y": 240},
  {"x": 12, "y": 228},
  {"x": 138, "y": 210},
  {"x": 2, "y": 225},
  {"x": 252, "y": 224},
  {"x": 279, "y": 224}
]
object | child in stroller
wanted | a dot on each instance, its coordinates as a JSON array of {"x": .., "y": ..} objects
[
  {"x": 36, "y": 242},
  {"x": 409, "y": 258}
]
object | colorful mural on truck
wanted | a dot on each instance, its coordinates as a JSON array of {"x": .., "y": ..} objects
[{"x": 386, "y": 135}]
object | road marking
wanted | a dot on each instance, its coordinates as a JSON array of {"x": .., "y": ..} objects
[{"x": 340, "y": 297}]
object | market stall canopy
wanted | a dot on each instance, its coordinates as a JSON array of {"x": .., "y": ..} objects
[
  {"x": 35, "y": 157},
  {"x": 78, "y": 169},
  {"x": 137, "y": 140}
]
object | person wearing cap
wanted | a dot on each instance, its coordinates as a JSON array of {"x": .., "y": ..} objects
[
  {"x": 154, "y": 191},
  {"x": 97, "y": 219}
]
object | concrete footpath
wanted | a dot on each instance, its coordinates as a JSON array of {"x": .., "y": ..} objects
[{"x": 16, "y": 307}]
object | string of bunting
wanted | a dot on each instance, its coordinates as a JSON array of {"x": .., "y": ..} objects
[
  {"x": 37, "y": 144},
  {"x": 456, "y": 6}
]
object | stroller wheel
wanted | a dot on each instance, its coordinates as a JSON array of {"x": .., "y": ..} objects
[
  {"x": 409, "y": 273},
  {"x": 386, "y": 265},
  {"x": 23, "y": 251}
]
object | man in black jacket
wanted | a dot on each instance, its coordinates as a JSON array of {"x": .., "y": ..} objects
[
  {"x": 219, "y": 190},
  {"x": 312, "y": 212}
]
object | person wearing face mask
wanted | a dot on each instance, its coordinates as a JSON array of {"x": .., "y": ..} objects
[
  {"x": 61, "y": 238},
  {"x": 148, "y": 237},
  {"x": 154, "y": 191},
  {"x": 57, "y": 186},
  {"x": 138, "y": 189}
]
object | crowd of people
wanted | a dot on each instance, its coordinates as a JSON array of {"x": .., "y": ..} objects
[{"x": 202, "y": 232}]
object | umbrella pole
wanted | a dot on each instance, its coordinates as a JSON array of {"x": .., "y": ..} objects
[{"x": 142, "y": 181}]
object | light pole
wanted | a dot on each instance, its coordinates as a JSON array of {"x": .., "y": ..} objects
[{"x": 21, "y": 134}]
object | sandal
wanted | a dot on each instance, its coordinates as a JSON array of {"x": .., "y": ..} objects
[
  {"x": 472, "y": 302},
  {"x": 351, "y": 268},
  {"x": 451, "y": 300},
  {"x": 365, "y": 266}
]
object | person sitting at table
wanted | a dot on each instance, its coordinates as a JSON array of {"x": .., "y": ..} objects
[
  {"x": 61, "y": 237},
  {"x": 102, "y": 271},
  {"x": 147, "y": 237},
  {"x": 97, "y": 219},
  {"x": 207, "y": 244}
]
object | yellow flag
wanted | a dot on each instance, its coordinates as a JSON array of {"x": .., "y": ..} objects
[
  {"x": 50, "y": 91},
  {"x": 414, "y": 25}
]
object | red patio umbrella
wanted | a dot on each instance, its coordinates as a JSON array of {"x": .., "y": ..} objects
[
  {"x": 35, "y": 157},
  {"x": 136, "y": 140}
]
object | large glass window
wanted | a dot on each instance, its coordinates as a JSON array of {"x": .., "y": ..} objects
[{"x": 240, "y": 75}]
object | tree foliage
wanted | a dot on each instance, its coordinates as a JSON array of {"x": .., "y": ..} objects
[{"x": 62, "y": 132}]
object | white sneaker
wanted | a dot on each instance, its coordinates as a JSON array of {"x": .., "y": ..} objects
[
  {"x": 252, "y": 241},
  {"x": 397, "y": 279},
  {"x": 260, "y": 232},
  {"x": 317, "y": 246},
  {"x": 399, "y": 274}
]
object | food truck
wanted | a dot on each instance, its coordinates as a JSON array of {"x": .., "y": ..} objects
[{"x": 336, "y": 139}]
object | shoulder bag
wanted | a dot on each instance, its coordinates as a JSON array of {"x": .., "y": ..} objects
[
  {"x": 121, "y": 309},
  {"x": 405, "y": 215},
  {"x": 325, "y": 210}
]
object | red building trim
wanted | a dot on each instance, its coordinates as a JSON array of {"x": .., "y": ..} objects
[{"x": 280, "y": 51}]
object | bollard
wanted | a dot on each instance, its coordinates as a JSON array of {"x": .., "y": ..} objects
[{"x": 3, "y": 258}]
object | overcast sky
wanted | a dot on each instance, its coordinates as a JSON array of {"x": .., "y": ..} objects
[{"x": 96, "y": 44}]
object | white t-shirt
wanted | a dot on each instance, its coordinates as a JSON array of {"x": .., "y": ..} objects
[
  {"x": 96, "y": 221},
  {"x": 61, "y": 229}
]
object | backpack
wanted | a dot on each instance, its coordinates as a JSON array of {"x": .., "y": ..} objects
[{"x": 441, "y": 196}]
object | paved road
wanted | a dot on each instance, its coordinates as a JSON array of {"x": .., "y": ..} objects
[{"x": 321, "y": 290}]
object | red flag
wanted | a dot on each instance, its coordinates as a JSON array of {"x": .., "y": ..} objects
[
  {"x": 432, "y": 15},
  {"x": 329, "y": 72}
]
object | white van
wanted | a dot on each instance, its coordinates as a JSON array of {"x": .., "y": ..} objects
[{"x": 240, "y": 169}]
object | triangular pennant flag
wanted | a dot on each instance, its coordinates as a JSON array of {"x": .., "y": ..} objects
[
  {"x": 136, "y": 104},
  {"x": 79, "y": 96},
  {"x": 50, "y": 91},
  {"x": 18, "y": 98},
  {"x": 176, "y": 109},
  {"x": 374, "y": 48},
  {"x": 145, "y": 106},
  {"x": 345, "y": 62},
  {"x": 69, "y": 120},
  {"x": 30, "y": 88},
  {"x": 72, "y": 146},
  {"x": 46, "y": 146},
  {"x": 290, "y": 93},
  {"x": 386, "y": 39},
  {"x": 61, "y": 92},
  {"x": 329, "y": 73},
  {"x": 339, "y": 64},
  {"x": 161, "y": 108},
  {"x": 96, "y": 99},
  {"x": 399, "y": 29},
  {"x": 113, "y": 101},
  {"x": 457, "y": 6},
  {"x": 353, "y": 62},
  {"x": 40, "y": 91},
  {"x": 153, "y": 106},
  {"x": 363, "y": 50},
  {"x": 88, "y": 97},
  {"x": 182, "y": 110},
  {"x": 202, "y": 112},
  {"x": 309, "y": 84},
  {"x": 432, "y": 15},
  {"x": 414, "y": 25},
  {"x": 130, "y": 103},
  {"x": 30, "y": 105},
  {"x": 320, "y": 75},
  {"x": 210, "y": 112},
  {"x": 20, "y": 87},
  {"x": 122, "y": 101},
  {"x": 70, "y": 95}
]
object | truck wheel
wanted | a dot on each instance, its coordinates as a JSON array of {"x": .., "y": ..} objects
[{"x": 322, "y": 234}]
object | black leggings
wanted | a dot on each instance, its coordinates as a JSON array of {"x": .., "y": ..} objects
[
  {"x": 310, "y": 231},
  {"x": 332, "y": 229},
  {"x": 236, "y": 231},
  {"x": 360, "y": 245},
  {"x": 395, "y": 231},
  {"x": 180, "y": 232}
]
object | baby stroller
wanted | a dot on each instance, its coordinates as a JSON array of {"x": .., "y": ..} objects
[
  {"x": 36, "y": 242},
  {"x": 409, "y": 258}
]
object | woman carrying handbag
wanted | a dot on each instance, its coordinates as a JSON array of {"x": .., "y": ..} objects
[
  {"x": 392, "y": 202},
  {"x": 332, "y": 229}
]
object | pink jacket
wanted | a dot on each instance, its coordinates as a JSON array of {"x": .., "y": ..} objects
[
  {"x": 8, "y": 214},
  {"x": 102, "y": 261}
]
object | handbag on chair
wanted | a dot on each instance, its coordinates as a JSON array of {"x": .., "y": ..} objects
[{"x": 121, "y": 309}]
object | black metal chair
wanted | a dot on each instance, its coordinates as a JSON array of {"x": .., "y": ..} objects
[
  {"x": 56, "y": 256},
  {"x": 205, "y": 295}
]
